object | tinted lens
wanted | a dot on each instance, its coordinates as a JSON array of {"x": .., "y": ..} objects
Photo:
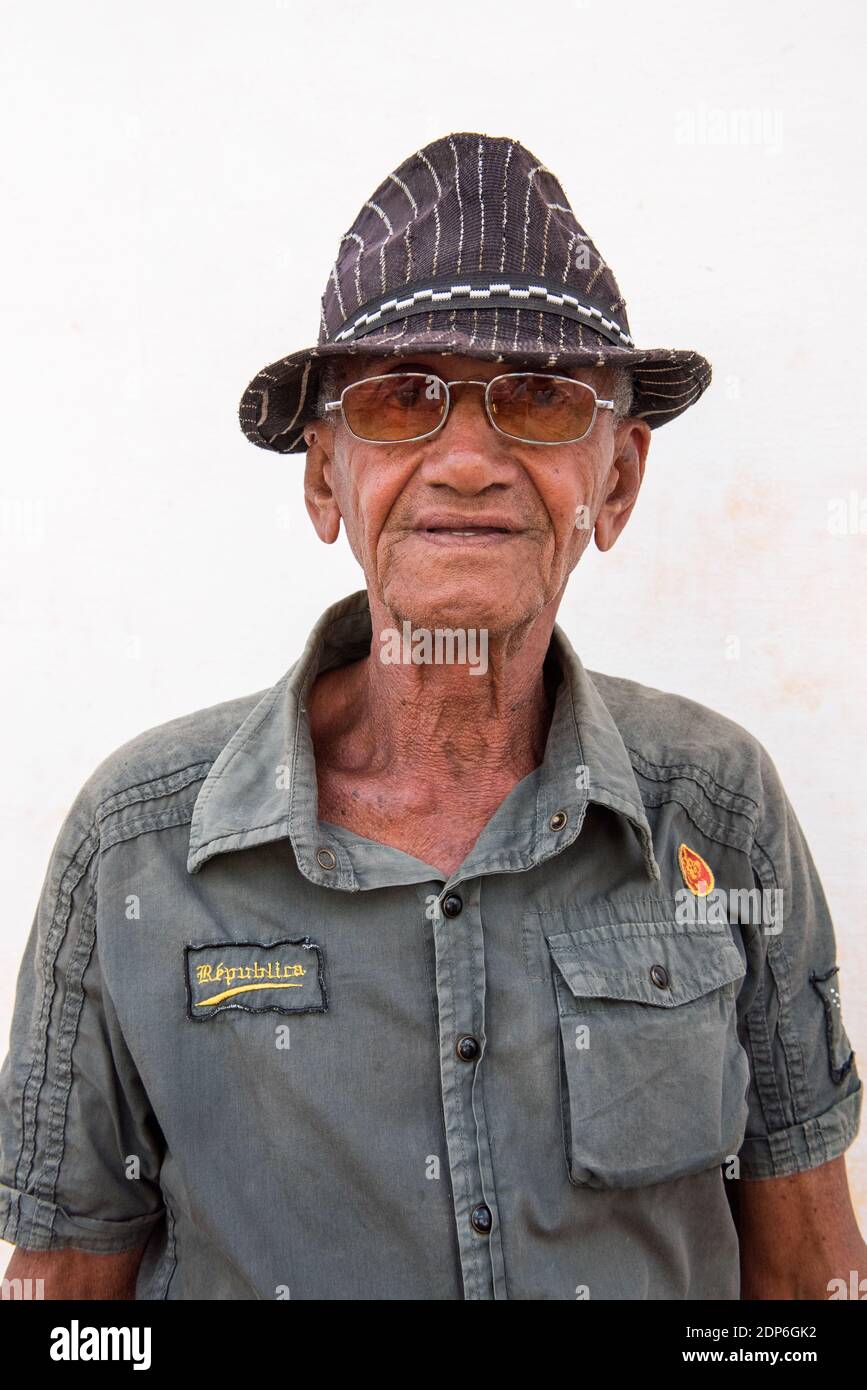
[
  {"x": 402, "y": 405},
  {"x": 544, "y": 409}
]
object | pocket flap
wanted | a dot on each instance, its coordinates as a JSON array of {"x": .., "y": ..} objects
[{"x": 663, "y": 965}]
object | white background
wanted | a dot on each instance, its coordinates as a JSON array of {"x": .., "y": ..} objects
[{"x": 176, "y": 178}]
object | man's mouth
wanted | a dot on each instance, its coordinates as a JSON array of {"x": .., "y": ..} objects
[{"x": 450, "y": 530}]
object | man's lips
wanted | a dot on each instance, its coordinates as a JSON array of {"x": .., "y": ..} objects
[{"x": 451, "y": 529}]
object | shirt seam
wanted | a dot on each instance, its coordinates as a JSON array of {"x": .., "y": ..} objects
[
  {"x": 152, "y": 790},
  {"x": 778, "y": 964},
  {"x": 73, "y": 1006},
  {"x": 143, "y": 825},
  {"x": 39, "y": 1034},
  {"x": 729, "y": 836},
  {"x": 704, "y": 780}
]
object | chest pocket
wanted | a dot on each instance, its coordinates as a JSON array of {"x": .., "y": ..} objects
[{"x": 653, "y": 1079}]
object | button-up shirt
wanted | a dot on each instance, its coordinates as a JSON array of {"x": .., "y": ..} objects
[{"x": 296, "y": 1063}]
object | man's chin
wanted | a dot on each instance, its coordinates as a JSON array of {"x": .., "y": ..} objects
[{"x": 463, "y": 602}]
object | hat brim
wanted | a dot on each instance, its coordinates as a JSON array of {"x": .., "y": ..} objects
[{"x": 282, "y": 398}]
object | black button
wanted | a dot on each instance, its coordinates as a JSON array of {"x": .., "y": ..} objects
[
  {"x": 659, "y": 976},
  {"x": 467, "y": 1049},
  {"x": 452, "y": 904},
  {"x": 481, "y": 1219}
]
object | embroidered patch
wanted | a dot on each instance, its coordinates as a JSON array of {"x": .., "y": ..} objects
[
  {"x": 697, "y": 873},
  {"x": 285, "y": 977}
]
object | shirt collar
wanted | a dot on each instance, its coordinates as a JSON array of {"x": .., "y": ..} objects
[{"x": 262, "y": 786}]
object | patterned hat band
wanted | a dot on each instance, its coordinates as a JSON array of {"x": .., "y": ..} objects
[{"x": 481, "y": 291}]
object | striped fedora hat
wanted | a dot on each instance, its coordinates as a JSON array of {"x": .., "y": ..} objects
[{"x": 469, "y": 247}]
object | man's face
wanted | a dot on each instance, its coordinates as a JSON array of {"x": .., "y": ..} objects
[{"x": 470, "y": 528}]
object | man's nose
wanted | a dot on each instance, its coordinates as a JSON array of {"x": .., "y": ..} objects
[{"x": 467, "y": 453}]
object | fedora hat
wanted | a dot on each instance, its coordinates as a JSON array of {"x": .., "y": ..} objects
[{"x": 469, "y": 247}]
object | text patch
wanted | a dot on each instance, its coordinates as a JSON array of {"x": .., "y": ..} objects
[{"x": 283, "y": 977}]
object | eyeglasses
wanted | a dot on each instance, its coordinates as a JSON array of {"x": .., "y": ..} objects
[{"x": 402, "y": 407}]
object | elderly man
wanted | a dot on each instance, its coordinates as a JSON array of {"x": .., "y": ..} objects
[{"x": 444, "y": 969}]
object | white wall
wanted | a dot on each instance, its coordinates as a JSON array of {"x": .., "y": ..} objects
[{"x": 177, "y": 177}]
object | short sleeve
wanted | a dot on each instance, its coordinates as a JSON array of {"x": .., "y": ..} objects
[
  {"x": 804, "y": 1094},
  {"x": 80, "y": 1151}
]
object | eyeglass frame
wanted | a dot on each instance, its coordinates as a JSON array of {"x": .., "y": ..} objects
[{"x": 598, "y": 405}]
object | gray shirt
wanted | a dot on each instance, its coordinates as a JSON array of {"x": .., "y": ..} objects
[{"x": 297, "y": 1063}]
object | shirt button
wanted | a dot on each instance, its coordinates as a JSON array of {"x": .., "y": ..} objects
[
  {"x": 481, "y": 1219},
  {"x": 467, "y": 1048},
  {"x": 659, "y": 976},
  {"x": 558, "y": 820},
  {"x": 326, "y": 858},
  {"x": 452, "y": 904}
]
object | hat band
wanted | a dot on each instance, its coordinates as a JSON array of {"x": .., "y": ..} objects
[{"x": 481, "y": 292}]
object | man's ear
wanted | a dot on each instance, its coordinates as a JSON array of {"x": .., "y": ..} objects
[
  {"x": 631, "y": 443},
  {"x": 319, "y": 496}
]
